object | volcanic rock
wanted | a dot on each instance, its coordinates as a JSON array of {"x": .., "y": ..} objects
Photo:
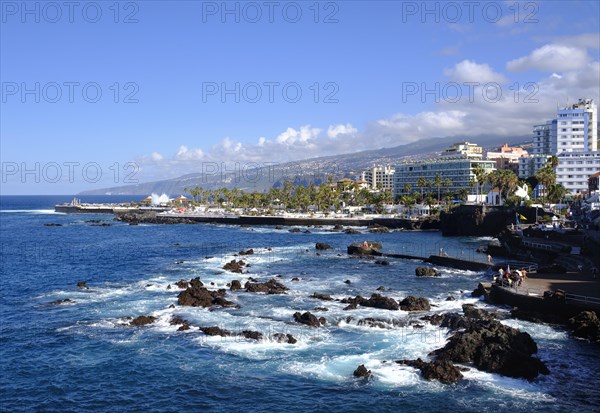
[
  {"x": 325, "y": 297},
  {"x": 235, "y": 266},
  {"x": 284, "y": 338},
  {"x": 215, "y": 331},
  {"x": 441, "y": 370},
  {"x": 142, "y": 320},
  {"x": 82, "y": 284},
  {"x": 495, "y": 348},
  {"x": 235, "y": 285},
  {"x": 362, "y": 372},
  {"x": 269, "y": 287},
  {"x": 426, "y": 272},
  {"x": 307, "y": 318},
  {"x": 411, "y": 303},
  {"x": 321, "y": 246},
  {"x": 586, "y": 325},
  {"x": 246, "y": 252}
]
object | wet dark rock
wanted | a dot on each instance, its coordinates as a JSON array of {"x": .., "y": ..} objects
[
  {"x": 246, "y": 252},
  {"x": 378, "y": 229},
  {"x": 306, "y": 231},
  {"x": 254, "y": 335},
  {"x": 586, "y": 325},
  {"x": 441, "y": 370},
  {"x": 426, "y": 272},
  {"x": 295, "y": 279},
  {"x": 182, "y": 284},
  {"x": 321, "y": 246},
  {"x": 284, "y": 338},
  {"x": 376, "y": 301},
  {"x": 495, "y": 348},
  {"x": 142, "y": 320},
  {"x": 172, "y": 306},
  {"x": 178, "y": 321},
  {"x": 359, "y": 249},
  {"x": 63, "y": 301},
  {"x": 347, "y": 282},
  {"x": 169, "y": 287},
  {"x": 471, "y": 311},
  {"x": 195, "y": 295},
  {"x": 215, "y": 331},
  {"x": 307, "y": 318},
  {"x": 412, "y": 303},
  {"x": 351, "y": 231},
  {"x": 82, "y": 284},
  {"x": 104, "y": 224},
  {"x": 322, "y": 320},
  {"x": 294, "y": 230},
  {"x": 382, "y": 262},
  {"x": 320, "y": 309},
  {"x": 235, "y": 266},
  {"x": 235, "y": 285},
  {"x": 481, "y": 290},
  {"x": 53, "y": 225},
  {"x": 325, "y": 297},
  {"x": 362, "y": 372},
  {"x": 450, "y": 298},
  {"x": 381, "y": 288},
  {"x": 269, "y": 287}
]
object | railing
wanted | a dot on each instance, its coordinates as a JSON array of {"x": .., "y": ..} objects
[{"x": 588, "y": 301}]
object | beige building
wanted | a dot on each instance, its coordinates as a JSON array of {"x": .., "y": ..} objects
[
  {"x": 507, "y": 157},
  {"x": 379, "y": 177}
]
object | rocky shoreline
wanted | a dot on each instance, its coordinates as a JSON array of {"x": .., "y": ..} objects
[{"x": 377, "y": 224}]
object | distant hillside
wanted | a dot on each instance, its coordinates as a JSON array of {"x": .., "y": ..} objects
[{"x": 307, "y": 171}]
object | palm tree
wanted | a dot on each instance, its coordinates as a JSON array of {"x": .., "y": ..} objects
[
  {"x": 421, "y": 183},
  {"x": 556, "y": 192},
  {"x": 438, "y": 183}
]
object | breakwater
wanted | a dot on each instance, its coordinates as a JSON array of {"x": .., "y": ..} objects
[{"x": 391, "y": 223}]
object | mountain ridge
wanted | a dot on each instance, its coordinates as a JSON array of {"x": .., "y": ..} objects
[{"x": 305, "y": 172}]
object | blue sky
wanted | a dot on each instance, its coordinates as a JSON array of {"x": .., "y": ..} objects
[{"x": 161, "y": 67}]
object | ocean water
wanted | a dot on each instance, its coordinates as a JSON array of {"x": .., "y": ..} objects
[{"x": 82, "y": 357}]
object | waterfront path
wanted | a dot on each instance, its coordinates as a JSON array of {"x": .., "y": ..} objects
[{"x": 578, "y": 286}]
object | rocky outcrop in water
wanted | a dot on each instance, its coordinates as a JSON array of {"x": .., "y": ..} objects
[
  {"x": 321, "y": 246},
  {"x": 426, "y": 272},
  {"x": 376, "y": 301},
  {"x": 309, "y": 319},
  {"x": 362, "y": 372},
  {"x": 82, "y": 285},
  {"x": 235, "y": 266},
  {"x": 269, "y": 287},
  {"x": 235, "y": 285},
  {"x": 495, "y": 348},
  {"x": 195, "y": 295},
  {"x": 142, "y": 320},
  {"x": 586, "y": 325},
  {"x": 284, "y": 338},
  {"x": 441, "y": 370},
  {"x": 215, "y": 331},
  {"x": 246, "y": 252},
  {"x": 412, "y": 303},
  {"x": 325, "y": 297}
]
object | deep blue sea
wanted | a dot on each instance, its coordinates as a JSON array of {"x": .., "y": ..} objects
[{"x": 82, "y": 357}]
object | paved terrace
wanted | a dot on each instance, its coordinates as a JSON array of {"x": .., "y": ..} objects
[{"x": 579, "y": 286}]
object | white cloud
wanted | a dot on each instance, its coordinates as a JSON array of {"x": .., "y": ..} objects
[
  {"x": 550, "y": 58},
  {"x": 334, "y": 131},
  {"x": 156, "y": 157},
  {"x": 291, "y": 135},
  {"x": 470, "y": 71},
  {"x": 513, "y": 114},
  {"x": 184, "y": 154}
]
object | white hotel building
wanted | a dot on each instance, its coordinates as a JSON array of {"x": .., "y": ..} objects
[
  {"x": 379, "y": 177},
  {"x": 455, "y": 164},
  {"x": 577, "y": 145}
]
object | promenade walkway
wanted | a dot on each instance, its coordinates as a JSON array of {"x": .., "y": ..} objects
[{"x": 580, "y": 287}]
